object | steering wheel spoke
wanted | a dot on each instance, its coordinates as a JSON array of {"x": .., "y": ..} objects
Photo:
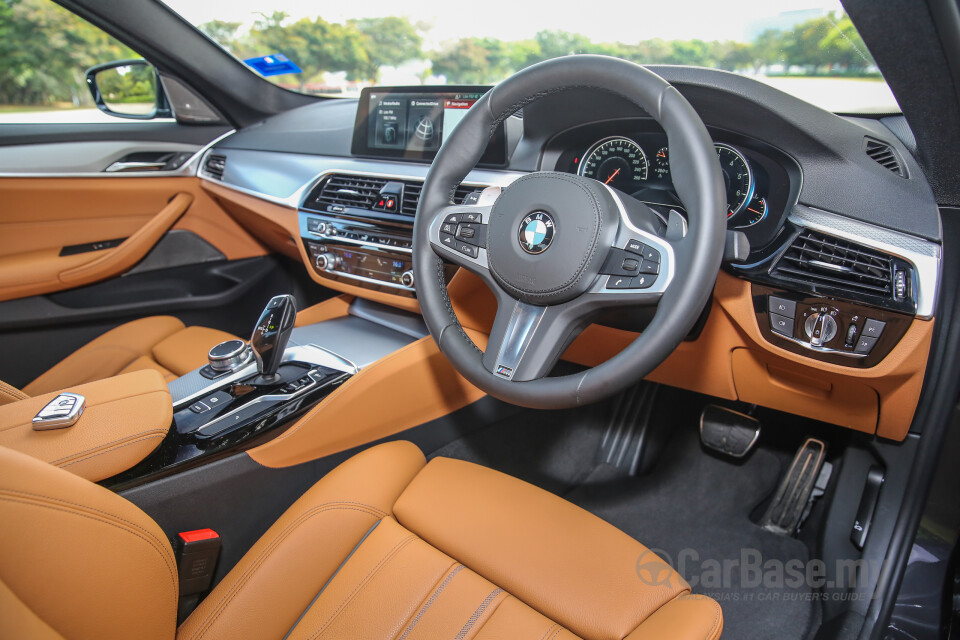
[
  {"x": 458, "y": 234},
  {"x": 639, "y": 266},
  {"x": 527, "y": 340}
]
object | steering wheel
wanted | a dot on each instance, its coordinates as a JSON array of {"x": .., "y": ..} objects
[{"x": 556, "y": 248}]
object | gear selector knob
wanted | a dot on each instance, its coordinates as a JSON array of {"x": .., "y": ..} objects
[{"x": 271, "y": 334}]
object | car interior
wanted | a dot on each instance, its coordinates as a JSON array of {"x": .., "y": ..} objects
[{"x": 598, "y": 351}]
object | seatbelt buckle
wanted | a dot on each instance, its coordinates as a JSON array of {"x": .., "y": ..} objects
[{"x": 197, "y": 554}]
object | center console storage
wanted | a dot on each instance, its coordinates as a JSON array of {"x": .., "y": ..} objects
[{"x": 123, "y": 420}]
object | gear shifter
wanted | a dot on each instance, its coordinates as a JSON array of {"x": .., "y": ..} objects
[{"x": 271, "y": 334}]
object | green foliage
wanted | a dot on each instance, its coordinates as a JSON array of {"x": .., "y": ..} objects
[{"x": 44, "y": 50}]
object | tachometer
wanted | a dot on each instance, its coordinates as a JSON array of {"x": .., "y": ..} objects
[
  {"x": 618, "y": 162},
  {"x": 661, "y": 163},
  {"x": 755, "y": 212},
  {"x": 737, "y": 178}
]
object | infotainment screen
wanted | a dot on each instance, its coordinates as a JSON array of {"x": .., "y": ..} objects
[{"x": 412, "y": 122}]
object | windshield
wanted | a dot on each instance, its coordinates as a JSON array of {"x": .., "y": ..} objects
[{"x": 808, "y": 49}]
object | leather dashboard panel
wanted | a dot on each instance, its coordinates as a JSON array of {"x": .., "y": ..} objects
[
  {"x": 39, "y": 216},
  {"x": 125, "y": 419},
  {"x": 886, "y": 394},
  {"x": 708, "y": 365},
  {"x": 411, "y": 386}
]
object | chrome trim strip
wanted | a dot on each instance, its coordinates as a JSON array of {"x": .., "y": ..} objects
[
  {"x": 310, "y": 353},
  {"x": 524, "y": 321},
  {"x": 187, "y": 169},
  {"x": 922, "y": 254},
  {"x": 494, "y": 179},
  {"x": 373, "y": 245}
]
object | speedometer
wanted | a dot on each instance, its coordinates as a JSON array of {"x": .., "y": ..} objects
[
  {"x": 618, "y": 162},
  {"x": 737, "y": 178}
]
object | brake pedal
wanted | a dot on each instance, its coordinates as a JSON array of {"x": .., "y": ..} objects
[
  {"x": 793, "y": 497},
  {"x": 727, "y": 431}
]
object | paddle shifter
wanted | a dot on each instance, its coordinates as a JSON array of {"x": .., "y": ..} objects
[{"x": 271, "y": 334}]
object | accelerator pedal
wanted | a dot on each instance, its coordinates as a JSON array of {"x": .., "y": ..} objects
[{"x": 794, "y": 495}]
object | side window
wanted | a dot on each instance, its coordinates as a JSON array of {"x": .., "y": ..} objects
[{"x": 45, "y": 52}]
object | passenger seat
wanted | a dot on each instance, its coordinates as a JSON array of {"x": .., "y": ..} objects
[{"x": 161, "y": 343}]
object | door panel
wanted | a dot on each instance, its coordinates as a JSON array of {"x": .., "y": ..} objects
[{"x": 41, "y": 216}]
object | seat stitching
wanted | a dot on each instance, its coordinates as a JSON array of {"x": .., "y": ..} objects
[
  {"x": 134, "y": 525},
  {"x": 119, "y": 444},
  {"x": 555, "y": 628},
  {"x": 89, "y": 405},
  {"x": 397, "y": 548},
  {"x": 429, "y": 602},
  {"x": 152, "y": 543},
  {"x": 714, "y": 631},
  {"x": 478, "y": 612},
  {"x": 248, "y": 574}
]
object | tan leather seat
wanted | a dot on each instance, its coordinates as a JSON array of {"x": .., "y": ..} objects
[
  {"x": 385, "y": 546},
  {"x": 161, "y": 343}
]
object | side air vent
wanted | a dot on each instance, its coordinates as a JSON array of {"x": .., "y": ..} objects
[
  {"x": 823, "y": 262},
  {"x": 340, "y": 193},
  {"x": 214, "y": 165},
  {"x": 884, "y": 155}
]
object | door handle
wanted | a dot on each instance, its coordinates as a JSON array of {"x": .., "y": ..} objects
[
  {"x": 131, "y": 250},
  {"x": 135, "y": 166}
]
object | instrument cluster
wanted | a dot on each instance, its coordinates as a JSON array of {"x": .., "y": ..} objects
[{"x": 639, "y": 165}]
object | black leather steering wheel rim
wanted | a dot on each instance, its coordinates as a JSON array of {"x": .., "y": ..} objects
[{"x": 698, "y": 183}]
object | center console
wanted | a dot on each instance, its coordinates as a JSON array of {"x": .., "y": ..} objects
[{"x": 357, "y": 228}]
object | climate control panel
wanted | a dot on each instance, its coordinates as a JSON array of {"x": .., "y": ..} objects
[{"x": 827, "y": 329}]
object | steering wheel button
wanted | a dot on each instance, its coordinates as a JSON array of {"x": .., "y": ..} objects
[
  {"x": 644, "y": 281},
  {"x": 631, "y": 265},
  {"x": 635, "y": 246},
  {"x": 448, "y": 240},
  {"x": 649, "y": 266},
  {"x": 448, "y": 228},
  {"x": 468, "y": 249},
  {"x": 453, "y": 218},
  {"x": 619, "y": 282},
  {"x": 470, "y": 217},
  {"x": 651, "y": 254}
]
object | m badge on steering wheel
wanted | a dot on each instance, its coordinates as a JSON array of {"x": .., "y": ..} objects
[{"x": 536, "y": 232}]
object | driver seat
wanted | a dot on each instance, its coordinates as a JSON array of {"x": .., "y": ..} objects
[{"x": 385, "y": 546}]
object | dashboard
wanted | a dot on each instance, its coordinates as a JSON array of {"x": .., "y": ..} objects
[{"x": 837, "y": 288}]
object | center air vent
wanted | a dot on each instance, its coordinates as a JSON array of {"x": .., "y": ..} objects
[
  {"x": 829, "y": 264},
  {"x": 214, "y": 165},
  {"x": 341, "y": 193},
  {"x": 884, "y": 155}
]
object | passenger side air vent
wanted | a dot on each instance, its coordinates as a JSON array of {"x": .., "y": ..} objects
[
  {"x": 823, "y": 262},
  {"x": 215, "y": 165},
  {"x": 339, "y": 193},
  {"x": 884, "y": 155}
]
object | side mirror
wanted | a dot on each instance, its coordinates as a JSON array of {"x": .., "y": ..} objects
[{"x": 128, "y": 89}]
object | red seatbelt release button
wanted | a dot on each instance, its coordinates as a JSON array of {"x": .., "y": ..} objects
[{"x": 197, "y": 555}]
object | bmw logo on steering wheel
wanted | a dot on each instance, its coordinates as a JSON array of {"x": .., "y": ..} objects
[{"x": 536, "y": 232}]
